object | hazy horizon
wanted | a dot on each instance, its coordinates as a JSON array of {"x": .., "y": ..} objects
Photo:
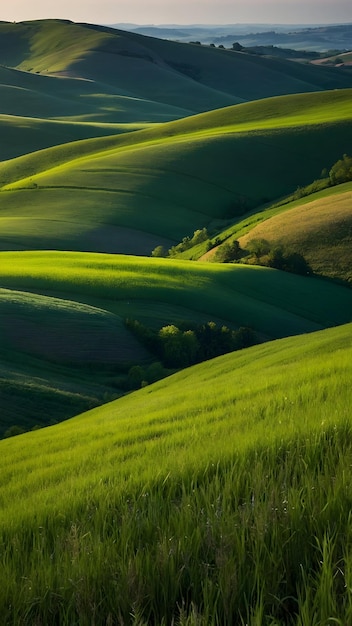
[{"x": 183, "y": 12}]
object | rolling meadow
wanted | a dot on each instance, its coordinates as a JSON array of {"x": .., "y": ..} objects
[{"x": 135, "y": 490}]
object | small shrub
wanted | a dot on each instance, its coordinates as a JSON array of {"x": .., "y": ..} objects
[
  {"x": 13, "y": 431},
  {"x": 159, "y": 252},
  {"x": 188, "y": 242}
]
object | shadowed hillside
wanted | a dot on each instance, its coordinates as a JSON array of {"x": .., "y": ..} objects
[
  {"x": 126, "y": 77},
  {"x": 132, "y": 192},
  {"x": 101, "y": 81}
]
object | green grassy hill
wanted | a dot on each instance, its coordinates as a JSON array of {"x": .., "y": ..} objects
[
  {"x": 57, "y": 46},
  {"x": 218, "y": 496},
  {"x": 63, "y": 344},
  {"x": 77, "y": 99},
  {"x": 23, "y": 135},
  {"x": 185, "y": 175},
  {"x": 59, "y": 357},
  {"x": 92, "y": 73},
  {"x": 319, "y": 228},
  {"x": 134, "y": 287}
]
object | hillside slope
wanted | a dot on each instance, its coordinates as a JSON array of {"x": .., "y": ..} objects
[
  {"x": 63, "y": 343},
  {"x": 130, "y": 510},
  {"x": 288, "y": 304},
  {"x": 122, "y": 64},
  {"x": 183, "y": 174},
  {"x": 320, "y": 228},
  {"x": 48, "y": 98},
  {"x": 59, "y": 357},
  {"x": 24, "y": 135}
]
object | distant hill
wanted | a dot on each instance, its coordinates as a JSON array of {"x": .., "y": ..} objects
[
  {"x": 343, "y": 59},
  {"x": 124, "y": 64},
  {"x": 62, "y": 82},
  {"x": 300, "y": 37}
]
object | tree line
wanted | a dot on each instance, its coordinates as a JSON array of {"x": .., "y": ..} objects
[{"x": 187, "y": 344}]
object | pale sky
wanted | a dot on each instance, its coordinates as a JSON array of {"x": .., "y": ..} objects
[{"x": 181, "y": 11}]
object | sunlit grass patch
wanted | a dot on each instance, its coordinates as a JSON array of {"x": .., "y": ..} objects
[
  {"x": 221, "y": 492},
  {"x": 184, "y": 174},
  {"x": 269, "y": 301}
]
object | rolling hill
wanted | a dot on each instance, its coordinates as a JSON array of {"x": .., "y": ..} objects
[
  {"x": 132, "y": 510},
  {"x": 185, "y": 174},
  {"x": 316, "y": 226},
  {"x": 221, "y": 494},
  {"x": 322, "y": 37},
  {"x": 96, "y": 174},
  {"x": 58, "y": 357},
  {"x": 55, "y": 69},
  {"x": 119, "y": 56},
  {"x": 320, "y": 228},
  {"x": 75, "y": 99},
  {"x": 64, "y": 345}
]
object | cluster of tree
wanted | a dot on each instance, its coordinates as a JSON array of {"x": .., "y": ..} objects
[
  {"x": 228, "y": 252},
  {"x": 341, "y": 171},
  {"x": 278, "y": 257},
  {"x": 186, "y": 344},
  {"x": 198, "y": 236}
]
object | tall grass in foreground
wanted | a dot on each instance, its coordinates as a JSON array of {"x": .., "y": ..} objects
[
  {"x": 220, "y": 496},
  {"x": 262, "y": 538}
]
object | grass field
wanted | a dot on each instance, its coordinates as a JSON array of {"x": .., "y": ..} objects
[
  {"x": 63, "y": 344},
  {"x": 219, "y": 496},
  {"x": 317, "y": 226},
  {"x": 288, "y": 304},
  {"x": 185, "y": 174},
  {"x": 59, "y": 357},
  {"x": 170, "y": 72},
  {"x": 319, "y": 229}
]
